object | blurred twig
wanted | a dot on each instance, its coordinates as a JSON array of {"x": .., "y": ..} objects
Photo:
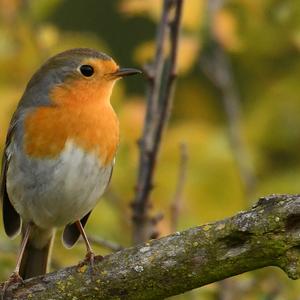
[
  {"x": 99, "y": 241},
  {"x": 161, "y": 75},
  {"x": 216, "y": 65},
  {"x": 177, "y": 199}
]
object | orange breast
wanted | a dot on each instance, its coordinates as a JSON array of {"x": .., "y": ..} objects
[{"x": 93, "y": 127}]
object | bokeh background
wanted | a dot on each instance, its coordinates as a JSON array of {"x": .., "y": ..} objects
[{"x": 236, "y": 109}]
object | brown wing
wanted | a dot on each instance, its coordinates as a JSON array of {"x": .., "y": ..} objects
[{"x": 11, "y": 219}]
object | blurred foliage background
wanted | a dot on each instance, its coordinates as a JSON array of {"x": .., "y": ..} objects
[{"x": 260, "y": 42}]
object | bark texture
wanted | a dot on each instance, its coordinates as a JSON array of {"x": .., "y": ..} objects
[{"x": 266, "y": 235}]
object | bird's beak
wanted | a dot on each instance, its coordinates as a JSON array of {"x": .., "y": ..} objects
[{"x": 122, "y": 72}]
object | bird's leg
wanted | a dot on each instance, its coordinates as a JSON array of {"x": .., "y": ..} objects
[
  {"x": 89, "y": 251},
  {"x": 22, "y": 249},
  {"x": 15, "y": 276}
]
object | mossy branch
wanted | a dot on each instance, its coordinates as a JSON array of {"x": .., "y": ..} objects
[{"x": 266, "y": 235}]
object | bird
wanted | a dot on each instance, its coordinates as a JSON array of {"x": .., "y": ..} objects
[{"x": 59, "y": 154}]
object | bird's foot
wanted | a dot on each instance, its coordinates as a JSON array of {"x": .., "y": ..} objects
[
  {"x": 13, "y": 279},
  {"x": 89, "y": 260}
]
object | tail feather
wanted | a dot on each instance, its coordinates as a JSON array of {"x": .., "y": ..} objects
[
  {"x": 71, "y": 233},
  {"x": 35, "y": 260}
]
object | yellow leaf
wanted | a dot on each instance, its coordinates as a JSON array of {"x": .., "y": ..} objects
[
  {"x": 137, "y": 7},
  {"x": 144, "y": 52},
  {"x": 193, "y": 12},
  {"x": 225, "y": 30},
  {"x": 188, "y": 53}
]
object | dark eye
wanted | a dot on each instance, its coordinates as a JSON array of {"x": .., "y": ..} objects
[{"x": 86, "y": 70}]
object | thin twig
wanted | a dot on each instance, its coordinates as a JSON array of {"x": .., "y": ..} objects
[
  {"x": 216, "y": 65},
  {"x": 110, "y": 245},
  {"x": 161, "y": 75},
  {"x": 178, "y": 195}
]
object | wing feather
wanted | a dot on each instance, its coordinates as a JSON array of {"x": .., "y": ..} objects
[{"x": 11, "y": 219}]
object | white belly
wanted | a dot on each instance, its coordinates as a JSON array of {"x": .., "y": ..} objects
[{"x": 53, "y": 193}]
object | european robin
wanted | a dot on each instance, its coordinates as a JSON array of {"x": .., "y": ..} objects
[{"x": 59, "y": 153}]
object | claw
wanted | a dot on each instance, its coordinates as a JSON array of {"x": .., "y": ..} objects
[
  {"x": 13, "y": 279},
  {"x": 90, "y": 257},
  {"x": 89, "y": 261}
]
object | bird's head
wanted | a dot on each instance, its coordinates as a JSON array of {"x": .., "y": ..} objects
[{"x": 77, "y": 76}]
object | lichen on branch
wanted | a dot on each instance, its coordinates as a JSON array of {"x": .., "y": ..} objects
[{"x": 266, "y": 235}]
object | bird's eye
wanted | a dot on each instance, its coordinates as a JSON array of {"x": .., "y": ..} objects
[{"x": 86, "y": 70}]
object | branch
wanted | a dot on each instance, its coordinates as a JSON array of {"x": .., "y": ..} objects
[
  {"x": 266, "y": 235},
  {"x": 161, "y": 78}
]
